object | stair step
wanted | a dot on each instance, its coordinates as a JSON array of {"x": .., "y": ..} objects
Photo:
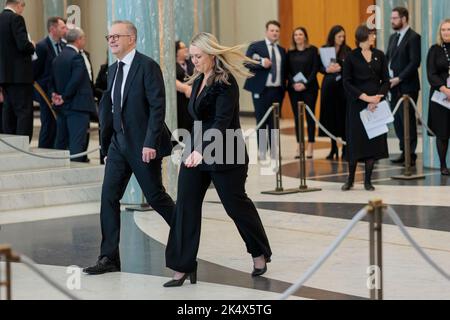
[
  {"x": 20, "y": 162},
  {"x": 76, "y": 174},
  {"x": 20, "y": 142},
  {"x": 46, "y": 197}
]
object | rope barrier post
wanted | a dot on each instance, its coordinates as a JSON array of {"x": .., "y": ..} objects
[
  {"x": 376, "y": 208},
  {"x": 7, "y": 255},
  {"x": 279, "y": 190},
  {"x": 408, "y": 175},
  {"x": 301, "y": 128}
]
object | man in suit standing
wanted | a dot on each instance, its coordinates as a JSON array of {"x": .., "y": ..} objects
[
  {"x": 72, "y": 94},
  {"x": 47, "y": 50},
  {"x": 269, "y": 83},
  {"x": 134, "y": 138},
  {"x": 16, "y": 70},
  {"x": 404, "y": 58}
]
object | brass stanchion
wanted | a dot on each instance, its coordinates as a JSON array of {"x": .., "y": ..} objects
[
  {"x": 376, "y": 208},
  {"x": 279, "y": 190},
  {"x": 301, "y": 128},
  {"x": 7, "y": 255},
  {"x": 408, "y": 175}
]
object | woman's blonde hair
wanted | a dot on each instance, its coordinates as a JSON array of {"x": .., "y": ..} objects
[
  {"x": 440, "y": 40},
  {"x": 227, "y": 59}
]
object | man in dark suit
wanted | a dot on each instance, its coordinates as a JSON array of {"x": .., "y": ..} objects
[
  {"x": 72, "y": 94},
  {"x": 134, "y": 138},
  {"x": 269, "y": 83},
  {"x": 16, "y": 70},
  {"x": 47, "y": 50},
  {"x": 404, "y": 57}
]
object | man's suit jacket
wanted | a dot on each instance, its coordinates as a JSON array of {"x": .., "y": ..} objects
[
  {"x": 405, "y": 61},
  {"x": 258, "y": 51},
  {"x": 71, "y": 80},
  {"x": 42, "y": 67},
  {"x": 217, "y": 108},
  {"x": 143, "y": 109},
  {"x": 15, "y": 50}
]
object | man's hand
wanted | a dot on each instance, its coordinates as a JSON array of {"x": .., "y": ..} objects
[
  {"x": 148, "y": 154},
  {"x": 266, "y": 63},
  {"x": 193, "y": 160},
  {"x": 57, "y": 99},
  {"x": 299, "y": 87},
  {"x": 395, "y": 82}
]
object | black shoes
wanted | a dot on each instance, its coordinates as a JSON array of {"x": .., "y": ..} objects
[
  {"x": 178, "y": 283},
  {"x": 445, "y": 172},
  {"x": 333, "y": 155},
  {"x": 347, "y": 187},
  {"x": 259, "y": 272},
  {"x": 104, "y": 265},
  {"x": 369, "y": 187},
  {"x": 399, "y": 160}
]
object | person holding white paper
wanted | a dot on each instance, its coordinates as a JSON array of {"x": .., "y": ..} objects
[
  {"x": 333, "y": 101},
  {"x": 366, "y": 82},
  {"x": 438, "y": 69},
  {"x": 302, "y": 68}
]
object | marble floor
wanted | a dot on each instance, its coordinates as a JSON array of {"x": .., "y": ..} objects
[{"x": 300, "y": 227}]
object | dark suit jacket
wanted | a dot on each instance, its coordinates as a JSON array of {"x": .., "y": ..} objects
[
  {"x": 15, "y": 50},
  {"x": 71, "y": 80},
  {"x": 217, "y": 108},
  {"x": 42, "y": 67},
  {"x": 257, "y": 51},
  {"x": 405, "y": 61},
  {"x": 143, "y": 109}
]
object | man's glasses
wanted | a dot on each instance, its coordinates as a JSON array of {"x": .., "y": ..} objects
[{"x": 116, "y": 37}]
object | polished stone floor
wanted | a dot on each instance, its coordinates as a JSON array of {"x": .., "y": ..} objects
[{"x": 300, "y": 227}]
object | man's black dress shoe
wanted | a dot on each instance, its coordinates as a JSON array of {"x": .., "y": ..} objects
[
  {"x": 369, "y": 187},
  {"x": 347, "y": 187},
  {"x": 104, "y": 265},
  {"x": 178, "y": 283}
]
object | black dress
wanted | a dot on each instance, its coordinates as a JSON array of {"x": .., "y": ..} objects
[
  {"x": 333, "y": 100},
  {"x": 438, "y": 71},
  {"x": 372, "y": 79},
  {"x": 184, "y": 119},
  {"x": 306, "y": 62}
]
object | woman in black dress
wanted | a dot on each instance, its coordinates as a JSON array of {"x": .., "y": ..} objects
[
  {"x": 214, "y": 105},
  {"x": 333, "y": 101},
  {"x": 438, "y": 69},
  {"x": 184, "y": 70},
  {"x": 302, "y": 69},
  {"x": 366, "y": 82}
]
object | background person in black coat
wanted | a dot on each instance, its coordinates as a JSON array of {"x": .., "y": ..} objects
[
  {"x": 333, "y": 100},
  {"x": 73, "y": 96},
  {"x": 214, "y": 104},
  {"x": 404, "y": 58},
  {"x": 438, "y": 70},
  {"x": 366, "y": 82},
  {"x": 184, "y": 69},
  {"x": 268, "y": 84},
  {"x": 303, "y": 58},
  {"x": 16, "y": 70},
  {"x": 134, "y": 138},
  {"x": 47, "y": 50}
]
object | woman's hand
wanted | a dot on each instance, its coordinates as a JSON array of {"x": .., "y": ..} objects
[
  {"x": 334, "y": 68},
  {"x": 194, "y": 159},
  {"x": 299, "y": 87},
  {"x": 371, "y": 99},
  {"x": 446, "y": 91},
  {"x": 372, "y": 107},
  {"x": 188, "y": 91}
]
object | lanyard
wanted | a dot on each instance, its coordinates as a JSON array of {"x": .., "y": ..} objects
[{"x": 447, "y": 55}]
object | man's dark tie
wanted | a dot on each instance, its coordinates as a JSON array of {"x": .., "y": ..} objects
[
  {"x": 58, "y": 48},
  {"x": 273, "y": 70},
  {"x": 117, "y": 104},
  {"x": 395, "y": 44}
]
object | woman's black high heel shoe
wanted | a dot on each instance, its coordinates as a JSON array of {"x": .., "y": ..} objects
[
  {"x": 333, "y": 155},
  {"x": 259, "y": 272},
  {"x": 178, "y": 283}
]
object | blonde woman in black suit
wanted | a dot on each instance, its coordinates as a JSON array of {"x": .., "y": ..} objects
[{"x": 214, "y": 104}]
